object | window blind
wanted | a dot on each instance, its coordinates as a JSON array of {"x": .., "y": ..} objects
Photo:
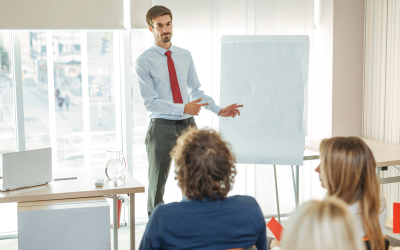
[
  {"x": 139, "y": 9},
  {"x": 61, "y": 14}
]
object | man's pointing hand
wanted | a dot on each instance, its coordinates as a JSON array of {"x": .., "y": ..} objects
[
  {"x": 230, "y": 111},
  {"x": 193, "y": 107}
]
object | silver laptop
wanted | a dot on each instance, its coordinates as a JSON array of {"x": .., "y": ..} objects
[{"x": 26, "y": 169}]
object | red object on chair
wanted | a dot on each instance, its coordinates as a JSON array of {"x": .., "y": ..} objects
[
  {"x": 119, "y": 203},
  {"x": 119, "y": 211},
  {"x": 396, "y": 218},
  {"x": 275, "y": 228}
]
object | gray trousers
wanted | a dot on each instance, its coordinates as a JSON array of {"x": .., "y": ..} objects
[{"x": 160, "y": 139}]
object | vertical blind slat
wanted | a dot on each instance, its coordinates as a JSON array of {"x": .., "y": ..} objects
[{"x": 381, "y": 116}]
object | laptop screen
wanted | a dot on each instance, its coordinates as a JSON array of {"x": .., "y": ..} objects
[{"x": 26, "y": 168}]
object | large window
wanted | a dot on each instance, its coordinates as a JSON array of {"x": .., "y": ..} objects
[
  {"x": 81, "y": 139},
  {"x": 68, "y": 99},
  {"x": 101, "y": 96},
  {"x": 35, "y": 89},
  {"x": 140, "y": 41},
  {"x": 7, "y": 126},
  {"x": 72, "y": 150},
  {"x": 8, "y": 216}
]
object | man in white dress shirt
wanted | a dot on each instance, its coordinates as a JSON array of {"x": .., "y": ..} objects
[{"x": 170, "y": 91}]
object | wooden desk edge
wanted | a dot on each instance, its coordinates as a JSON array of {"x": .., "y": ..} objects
[
  {"x": 387, "y": 163},
  {"x": 71, "y": 195}
]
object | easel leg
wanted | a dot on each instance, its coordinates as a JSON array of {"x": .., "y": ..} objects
[
  {"x": 294, "y": 186},
  {"x": 277, "y": 196}
]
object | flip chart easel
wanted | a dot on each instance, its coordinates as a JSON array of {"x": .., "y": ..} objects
[{"x": 268, "y": 75}]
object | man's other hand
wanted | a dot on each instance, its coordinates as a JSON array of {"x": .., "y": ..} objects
[
  {"x": 193, "y": 107},
  {"x": 230, "y": 111}
]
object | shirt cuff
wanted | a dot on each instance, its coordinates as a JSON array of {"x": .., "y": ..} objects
[
  {"x": 276, "y": 248},
  {"x": 179, "y": 108},
  {"x": 215, "y": 108}
]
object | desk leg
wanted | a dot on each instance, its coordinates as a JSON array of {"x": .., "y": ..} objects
[
  {"x": 132, "y": 220},
  {"x": 115, "y": 223}
]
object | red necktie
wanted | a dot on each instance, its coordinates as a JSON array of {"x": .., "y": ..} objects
[{"x": 176, "y": 92}]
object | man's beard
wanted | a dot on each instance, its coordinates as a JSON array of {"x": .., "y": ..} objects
[{"x": 163, "y": 40}]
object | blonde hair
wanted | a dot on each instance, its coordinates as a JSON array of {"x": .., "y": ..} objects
[
  {"x": 348, "y": 172},
  {"x": 326, "y": 225}
]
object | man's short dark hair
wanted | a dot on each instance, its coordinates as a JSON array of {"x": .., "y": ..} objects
[
  {"x": 155, "y": 11},
  {"x": 204, "y": 164}
]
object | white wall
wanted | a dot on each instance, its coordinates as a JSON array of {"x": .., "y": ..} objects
[
  {"x": 348, "y": 48},
  {"x": 336, "y": 94}
]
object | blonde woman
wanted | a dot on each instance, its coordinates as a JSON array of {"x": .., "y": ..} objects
[
  {"x": 325, "y": 225},
  {"x": 347, "y": 171}
]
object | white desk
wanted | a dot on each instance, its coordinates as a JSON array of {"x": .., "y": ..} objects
[
  {"x": 385, "y": 154},
  {"x": 81, "y": 187}
]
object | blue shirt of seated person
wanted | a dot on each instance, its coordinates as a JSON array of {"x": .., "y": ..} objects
[
  {"x": 235, "y": 222},
  {"x": 207, "y": 219}
]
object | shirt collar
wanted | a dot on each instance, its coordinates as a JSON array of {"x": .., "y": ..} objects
[{"x": 162, "y": 50}]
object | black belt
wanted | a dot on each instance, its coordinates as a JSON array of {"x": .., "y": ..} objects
[{"x": 166, "y": 121}]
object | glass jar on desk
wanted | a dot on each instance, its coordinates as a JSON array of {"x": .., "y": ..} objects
[{"x": 116, "y": 167}]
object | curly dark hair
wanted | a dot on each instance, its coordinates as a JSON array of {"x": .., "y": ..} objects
[{"x": 204, "y": 164}]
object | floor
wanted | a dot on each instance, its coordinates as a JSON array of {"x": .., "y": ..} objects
[
  {"x": 394, "y": 239},
  {"x": 123, "y": 239}
]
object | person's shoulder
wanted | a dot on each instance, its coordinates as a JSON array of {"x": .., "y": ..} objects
[
  {"x": 166, "y": 209},
  {"x": 146, "y": 54},
  {"x": 243, "y": 200},
  {"x": 181, "y": 50},
  {"x": 246, "y": 206}
]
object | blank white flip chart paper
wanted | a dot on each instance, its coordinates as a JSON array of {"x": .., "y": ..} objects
[{"x": 268, "y": 75}]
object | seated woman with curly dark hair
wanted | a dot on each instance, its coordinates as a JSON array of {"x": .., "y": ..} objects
[{"x": 206, "y": 218}]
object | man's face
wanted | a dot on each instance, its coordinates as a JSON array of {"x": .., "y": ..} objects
[{"x": 162, "y": 30}]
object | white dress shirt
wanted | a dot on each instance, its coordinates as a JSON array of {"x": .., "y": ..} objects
[{"x": 155, "y": 87}]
